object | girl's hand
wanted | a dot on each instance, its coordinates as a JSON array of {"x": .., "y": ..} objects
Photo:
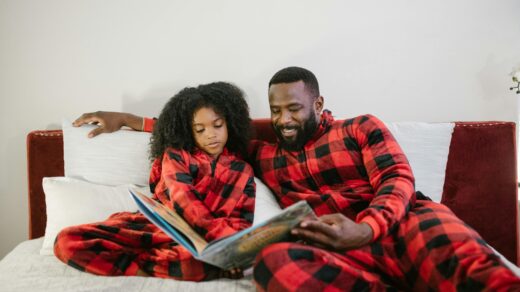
[
  {"x": 235, "y": 273},
  {"x": 334, "y": 232}
]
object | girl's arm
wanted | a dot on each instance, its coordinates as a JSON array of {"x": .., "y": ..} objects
[
  {"x": 242, "y": 213},
  {"x": 181, "y": 195}
]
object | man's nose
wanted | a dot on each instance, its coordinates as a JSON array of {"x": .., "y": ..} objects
[{"x": 286, "y": 117}]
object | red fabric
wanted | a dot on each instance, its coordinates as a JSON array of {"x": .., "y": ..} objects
[
  {"x": 215, "y": 196},
  {"x": 422, "y": 255},
  {"x": 122, "y": 245},
  {"x": 354, "y": 167},
  {"x": 148, "y": 124},
  {"x": 481, "y": 182},
  {"x": 45, "y": 158}
]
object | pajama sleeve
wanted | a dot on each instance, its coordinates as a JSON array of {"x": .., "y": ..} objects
[
  {"x": 186, "y": 200},
  {"x": 389, "y": 173},
  {"x": 148, "y": 124}
]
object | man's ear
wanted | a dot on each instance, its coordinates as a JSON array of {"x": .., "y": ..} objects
[{"x": 318, "y": 105}]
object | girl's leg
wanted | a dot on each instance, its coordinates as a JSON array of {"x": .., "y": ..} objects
[{"x": 127, "y": 244}]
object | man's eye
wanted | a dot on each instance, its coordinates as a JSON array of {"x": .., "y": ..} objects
[
  {"x": 275, "y": 111},
  {"x": 294, "y": 109}
]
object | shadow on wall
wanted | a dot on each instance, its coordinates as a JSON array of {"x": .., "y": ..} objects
[{"x": 152, "y": 101}]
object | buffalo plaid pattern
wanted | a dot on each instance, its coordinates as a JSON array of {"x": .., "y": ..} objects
[
  {"x": 215, "y": 196},
  {"x": 355, "y": 167}
]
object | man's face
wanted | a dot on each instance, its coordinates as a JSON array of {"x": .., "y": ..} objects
[{"x": 294, "y": 113}]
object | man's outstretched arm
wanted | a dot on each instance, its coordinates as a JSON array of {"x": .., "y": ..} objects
[{"x": 109, "y": 122}]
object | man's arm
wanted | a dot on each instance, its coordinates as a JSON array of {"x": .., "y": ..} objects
[
  {"x": 392, "y": 180},
  {"x": 109, "y": 122}
]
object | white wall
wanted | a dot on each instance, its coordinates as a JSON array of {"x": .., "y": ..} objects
[{"x": 401, "y": 60}]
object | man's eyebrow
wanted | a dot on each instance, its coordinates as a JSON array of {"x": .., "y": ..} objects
[{"x": 287, "y": 105}]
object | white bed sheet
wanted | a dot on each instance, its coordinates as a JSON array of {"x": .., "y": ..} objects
[{"x": 24, "y": 269}]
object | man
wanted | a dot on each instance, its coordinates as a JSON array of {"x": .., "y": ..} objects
[{"x": 374, "y": 231}]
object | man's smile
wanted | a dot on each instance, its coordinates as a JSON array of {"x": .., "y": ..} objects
[{"x": 289, "y": 131}]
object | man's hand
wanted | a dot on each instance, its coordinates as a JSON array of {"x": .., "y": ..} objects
[
  {"x": 109, "y": 122},
  {"x": 335, "y": 232}
]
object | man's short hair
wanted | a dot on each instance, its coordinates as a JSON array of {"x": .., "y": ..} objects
[{"x": 295, "y": 74}]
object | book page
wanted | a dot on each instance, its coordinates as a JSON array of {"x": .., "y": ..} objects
[
  {"x": 240, "y": 249},
  {"x": 174, "y": 220}
]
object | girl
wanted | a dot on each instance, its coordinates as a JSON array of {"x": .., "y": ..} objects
[{"x": 197, "y": 171}]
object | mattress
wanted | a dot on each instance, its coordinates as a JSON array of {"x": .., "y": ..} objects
[{"x": 24, "y": 269}]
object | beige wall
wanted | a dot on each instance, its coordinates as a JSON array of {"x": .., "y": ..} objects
[{"x": 401, "y": 60}]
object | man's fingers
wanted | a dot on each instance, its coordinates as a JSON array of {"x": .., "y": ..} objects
[
  {"x": 318, "y": 226},
  {"x": 335, "y": 218},
  {"x": 313, "y": 236},
  {"x": 85, "y": 119},
  {"x": 96, "y": 132}
]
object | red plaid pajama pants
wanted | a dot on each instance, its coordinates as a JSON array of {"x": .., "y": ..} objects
[
  {"x": 125, "y": 244},
  {"x": 430, "y": 250}
]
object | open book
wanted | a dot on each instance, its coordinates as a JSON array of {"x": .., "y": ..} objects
[{"x": 234, "y": 251}]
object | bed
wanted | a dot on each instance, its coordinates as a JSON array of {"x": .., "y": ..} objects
[{"x": 478, "y": 182}]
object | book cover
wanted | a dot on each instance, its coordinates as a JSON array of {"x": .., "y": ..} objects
[{"x": 234, "y": 251}]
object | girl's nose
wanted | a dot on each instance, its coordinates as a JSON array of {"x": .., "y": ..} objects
[{"x": 210, "y": 134}]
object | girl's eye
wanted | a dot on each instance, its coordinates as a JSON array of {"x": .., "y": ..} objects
[
  {"x": 219, "y": 126},
  {"x": 199, "y": 131}
]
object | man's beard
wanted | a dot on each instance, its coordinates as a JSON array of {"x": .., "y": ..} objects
[{"x": 303, "y": 134}]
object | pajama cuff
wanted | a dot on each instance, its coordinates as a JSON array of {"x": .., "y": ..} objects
[
  {"x": 148, "y": 124},
  {"x": 376, "y": 230}
]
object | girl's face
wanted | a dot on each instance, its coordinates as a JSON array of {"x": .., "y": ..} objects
[{"x": 209, "y": 131}]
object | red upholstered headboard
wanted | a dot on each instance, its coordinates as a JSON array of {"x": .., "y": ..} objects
[{"x": 480, "y": 185}]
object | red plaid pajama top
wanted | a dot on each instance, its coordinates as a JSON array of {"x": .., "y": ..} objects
[
  {"x": 215, "y": 196},
  {"x": 355, "y": 167}
]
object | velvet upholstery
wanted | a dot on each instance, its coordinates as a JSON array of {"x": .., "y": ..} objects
[
  {"x": 44, "y": 159},
  {"x": 480, "y": 185},
  {"x": 481, "y": 182}
]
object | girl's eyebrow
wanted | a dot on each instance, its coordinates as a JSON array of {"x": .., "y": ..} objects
[{"x": 215, "y": 120}]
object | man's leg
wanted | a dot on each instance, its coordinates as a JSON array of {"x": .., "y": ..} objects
[
  {"x": 436, "y": 250},
  {"x": 293, "y": 266},
  {"x": 430, "y": 249},
  {"x": 127, "y": 244}
]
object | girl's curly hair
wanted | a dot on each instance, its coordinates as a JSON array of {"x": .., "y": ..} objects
[{"x": 174, "y": 126}]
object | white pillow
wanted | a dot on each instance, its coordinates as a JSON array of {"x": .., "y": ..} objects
[
  {"x": 72, "y": 202},
  {"x": 426, "y": 146},
  {"x": 110, "y": 159},
  {"x": 266, "y": 205}
]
